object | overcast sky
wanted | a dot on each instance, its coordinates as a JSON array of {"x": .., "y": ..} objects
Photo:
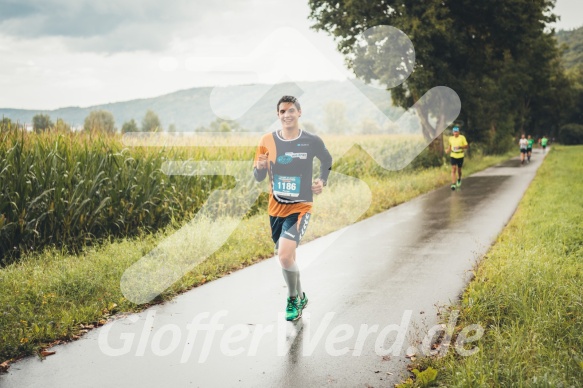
[{"x": 57, "y": 53}]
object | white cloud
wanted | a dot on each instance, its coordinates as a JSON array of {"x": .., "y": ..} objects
[
  {"x": 113, "y": 25},
  {"x": 570, "y": 12},
  {"x": 46, "y": 73},
  {"x": 59, "y": 53}
]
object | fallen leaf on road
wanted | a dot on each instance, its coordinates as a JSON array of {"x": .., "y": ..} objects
[
  {"x": 4, "y": 367},
  {"x": 411, "y": 352},
  {"x": 45, "y": 353}
]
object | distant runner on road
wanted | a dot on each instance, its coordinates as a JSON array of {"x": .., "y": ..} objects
[
  {"x": 287, "y": 156},
  {"x": 543, "y": 143},
  {"x": 523, "y": 144},
  {"x": 457, "y": 145},
  {"x": 529, "y": 147}
]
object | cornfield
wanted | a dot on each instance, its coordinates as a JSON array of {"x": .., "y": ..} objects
[{"x": 71, "y": 190}]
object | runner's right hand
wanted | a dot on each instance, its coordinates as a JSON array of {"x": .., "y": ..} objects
[{"x": 262, "y": 162}]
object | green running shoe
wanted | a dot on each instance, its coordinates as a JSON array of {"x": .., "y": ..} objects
[
  {"x": 302, "y": 302},
  {"x": 459, "y": 182},
  {"x": 292, "y": 312},
  {"x": 452, "y": 187}
]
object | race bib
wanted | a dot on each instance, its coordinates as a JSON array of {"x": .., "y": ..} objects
[{"x": 287, "y": 186}]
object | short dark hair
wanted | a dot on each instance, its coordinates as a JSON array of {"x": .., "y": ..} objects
[{"x": 291, "y": 99}]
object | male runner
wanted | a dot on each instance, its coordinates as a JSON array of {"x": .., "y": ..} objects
[
  {"x": 457, "y": 145},
  {"x": 529, "y": 148},
  {"x": 287, "y": 156},
  {"x": 543, "y": 143},
  {"x": 523, "y": 144}
]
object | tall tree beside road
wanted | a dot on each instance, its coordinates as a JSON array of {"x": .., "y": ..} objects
[
  {"x": 571, "y": 45},
  {"x": 485, "y": 51}
]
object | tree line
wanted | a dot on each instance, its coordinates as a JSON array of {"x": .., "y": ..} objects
[
  {"x": 500, "y": 57},
  {"x": 96, "y": 121},
  {"x": 104, "y": 122}
]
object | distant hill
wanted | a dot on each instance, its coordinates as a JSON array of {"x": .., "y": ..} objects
[
  {"x": 573, "y": 40},
  {"x": 253, "y": 106}
]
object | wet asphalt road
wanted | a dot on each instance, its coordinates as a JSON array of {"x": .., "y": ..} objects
[{"x": 374, "y": 288}]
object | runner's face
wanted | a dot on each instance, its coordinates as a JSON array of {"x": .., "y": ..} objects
[{"x": 288, "y": 115}]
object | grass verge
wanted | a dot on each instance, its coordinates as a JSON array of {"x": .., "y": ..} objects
[
  {"x": 54, "y": 296},
  {"x": 526, "y": 293}
]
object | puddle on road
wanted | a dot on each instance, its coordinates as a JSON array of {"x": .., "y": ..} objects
[
  {"x": 426, "y": 220},
  {"x": 445, "y": 209},
  {"x": 509, "y": 163}
]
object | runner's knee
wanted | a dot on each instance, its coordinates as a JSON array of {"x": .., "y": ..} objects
[{"x": 286, "y": 252}]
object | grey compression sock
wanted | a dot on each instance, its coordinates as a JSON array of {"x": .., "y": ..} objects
[
  {"x": 299, "y": 285},
  {"x": 291, "y": 276}
]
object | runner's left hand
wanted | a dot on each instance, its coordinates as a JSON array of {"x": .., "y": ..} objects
[{"x": 317, "y": 187}]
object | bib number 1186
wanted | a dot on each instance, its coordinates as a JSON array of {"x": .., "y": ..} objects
[{"x": 288, "y": 186}]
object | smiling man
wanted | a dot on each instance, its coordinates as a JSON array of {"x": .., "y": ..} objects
[{"x": 287, "y": 156}]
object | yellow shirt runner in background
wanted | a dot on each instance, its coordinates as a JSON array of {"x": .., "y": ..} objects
[{"x": 456, "y": 144}]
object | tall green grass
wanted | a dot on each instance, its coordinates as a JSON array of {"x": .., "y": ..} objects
[
  {"x": 527, "y": 292},
  {"x": 74, "y": 189}
]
